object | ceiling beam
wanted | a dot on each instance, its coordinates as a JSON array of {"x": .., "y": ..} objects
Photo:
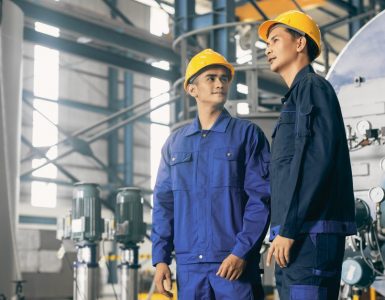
[
  {"x": 130, "y": 38},
  {"x": 103, "y": 56}
]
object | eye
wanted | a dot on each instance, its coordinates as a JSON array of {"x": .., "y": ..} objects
[
  {"x": 210, "y": 78},
  {"x": 224, "y": 79}
]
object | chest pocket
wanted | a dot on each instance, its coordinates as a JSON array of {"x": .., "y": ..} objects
[
  {"x": 226, "y": 167},
  {"x": 182, "y": 170},
  {"x": 284, "y": 135}
]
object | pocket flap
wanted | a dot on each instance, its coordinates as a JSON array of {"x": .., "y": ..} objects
[
  {"x": 180, "y": 157},
  {"x": 228, "y": 153},
  {"x": 307, "y": 110},
  {"x": 287, "y": 117}
]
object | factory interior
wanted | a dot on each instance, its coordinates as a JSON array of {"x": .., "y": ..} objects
[{"x": 91, "y": 89}]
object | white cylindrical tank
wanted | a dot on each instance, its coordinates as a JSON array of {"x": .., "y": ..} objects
[{"x": 12, "y": 22}]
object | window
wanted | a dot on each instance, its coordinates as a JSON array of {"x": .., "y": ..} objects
[
  {"x": 46, "y": 84},
  {"x": 159, "y": 133}
]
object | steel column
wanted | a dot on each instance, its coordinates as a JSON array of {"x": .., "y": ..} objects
[
  {"x": 113, "y": 141},
  {"x": 128, "y": 131},
  {"x": 223, "y": 39},
  {"x": 357, "y": 24}
]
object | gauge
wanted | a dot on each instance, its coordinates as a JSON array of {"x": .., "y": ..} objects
[
  {"x": 362, "y": 126},
  {"x": 382, "y": 164},
  {"x": 376, "y": 194}
]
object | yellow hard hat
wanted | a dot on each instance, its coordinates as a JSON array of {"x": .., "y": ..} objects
[
  {"x": 203, "y": 59},
  {"x": 297, "y": 21}
]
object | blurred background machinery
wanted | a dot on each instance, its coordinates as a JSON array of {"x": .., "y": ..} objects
[
  {"x": 359, "y": 79},
  {"x": 86, "y": 228}
]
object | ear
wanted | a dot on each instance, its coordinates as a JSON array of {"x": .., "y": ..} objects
[
  {"x": 301, "y": 44},
  {"x": 192, "y": 90}
]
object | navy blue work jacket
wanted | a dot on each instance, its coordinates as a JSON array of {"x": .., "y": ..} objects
[
  {"x": 212, "y": 194},
  {"x": 311, "y": 178}
]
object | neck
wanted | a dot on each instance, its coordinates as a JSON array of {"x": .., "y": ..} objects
[
  {"x": 288, "y": 74},
  {"x": 208, "y": 116}
]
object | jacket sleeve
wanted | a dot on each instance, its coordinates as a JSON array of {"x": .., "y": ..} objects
[
  {"x": 318, "y": 126},
  {"x": 163, "y": 213},
  {"x": 256, "y": 216}
]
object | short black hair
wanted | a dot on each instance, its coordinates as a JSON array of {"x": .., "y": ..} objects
[
  {"x": 312, "y": 48},
  {"x": 215, "y": 66}
]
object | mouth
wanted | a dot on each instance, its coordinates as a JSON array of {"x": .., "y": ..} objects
[
  {"x": 271, "y": 59},
  {"x": 219, "y": 93}
]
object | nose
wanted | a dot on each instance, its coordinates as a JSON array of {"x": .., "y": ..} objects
[
  {"x": 267, "y": 50},
  {"x": 218, "y": 83}
]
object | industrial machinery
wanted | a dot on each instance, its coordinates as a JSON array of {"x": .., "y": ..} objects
[
  {"x": 130, "y": 230},
  {"x": 86, "y": 231},
  {"x": 358, "y": 76},
  {"x": 85, "y": 226}
]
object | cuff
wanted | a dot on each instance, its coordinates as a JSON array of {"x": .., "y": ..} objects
[
  {"x": 240, "y": 252},
  {"x": 156, "y": 260}
]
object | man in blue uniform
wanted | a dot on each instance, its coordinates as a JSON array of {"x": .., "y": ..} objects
[
  {"x": 211, "y": 198},
  {"x": 311, "y": 182}
]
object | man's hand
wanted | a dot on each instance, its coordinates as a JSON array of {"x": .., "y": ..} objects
[
  {"x": 280, "y": 248},
  {"x": 232, "y": 267},
  {"x": 163, "y": 279}
]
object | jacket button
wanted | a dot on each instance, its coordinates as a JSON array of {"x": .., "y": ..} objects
[
  {"x": 200, "y": 256},
  {"x": 204, "y": 135},
  {"x": 228, "y": 154},
  {"x": 173, "y": 159}
]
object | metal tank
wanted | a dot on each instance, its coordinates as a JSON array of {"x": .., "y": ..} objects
[{"x": 358, "y": 76}]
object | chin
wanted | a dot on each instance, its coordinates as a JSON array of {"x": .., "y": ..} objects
[{"x": 274, "y": 68}]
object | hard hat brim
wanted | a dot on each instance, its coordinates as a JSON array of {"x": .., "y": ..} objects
[
  {"x": 263, "y": 29},
  {"x": 228, "y": 67}
]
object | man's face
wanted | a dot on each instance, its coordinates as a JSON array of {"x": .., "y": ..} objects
[
  {"x": 211, "y": 86},
  {"x": 282, "y": 49}
]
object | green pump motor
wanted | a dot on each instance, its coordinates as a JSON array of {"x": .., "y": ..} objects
[
  {"x": 130, "y": 228},
  {"x": 87, "y": 224}
]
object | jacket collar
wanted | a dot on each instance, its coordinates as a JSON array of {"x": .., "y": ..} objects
[
  {"x": 220, "y": 124},
  {"x": 300, "y": 75}
]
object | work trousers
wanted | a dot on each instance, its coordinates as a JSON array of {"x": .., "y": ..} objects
[{"x": 314, "y": 271}]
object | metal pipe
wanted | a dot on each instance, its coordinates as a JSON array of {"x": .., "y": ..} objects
[
  {"x": 345, "y": 20},
  {"x": 129, "y": 273},
  {"x": 210, "y": 28},
  {"x": 380, "y": 231},
  {"x": 86, "y": 273}
]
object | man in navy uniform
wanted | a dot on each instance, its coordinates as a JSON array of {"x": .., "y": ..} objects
[
  {"x": 311, "y": 179},
  {"x": 312, "y": 201}
]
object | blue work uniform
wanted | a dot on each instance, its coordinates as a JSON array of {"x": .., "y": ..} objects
[
  {"x": 212, "y": 199},
  {"x": 311, "y": 188}
]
